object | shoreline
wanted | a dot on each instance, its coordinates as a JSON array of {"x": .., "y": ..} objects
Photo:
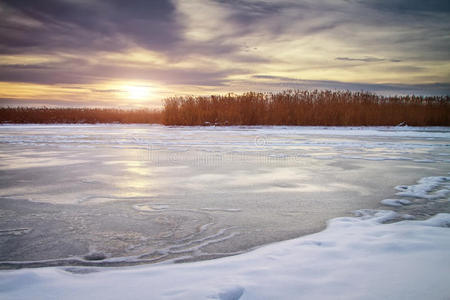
[{"x": 300, "y": 266}]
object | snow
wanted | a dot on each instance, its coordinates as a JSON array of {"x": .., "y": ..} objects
[
  {"x": 156, "y": 135},
  {"x": 424, "y": 188},
  {"x": 354, "y": 258},
  {"x": 395, "y": 202}
]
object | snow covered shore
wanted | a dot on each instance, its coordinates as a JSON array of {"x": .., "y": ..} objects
[
  {"x": 354, "y": 258},
  {"x": 312, "y": 173}
]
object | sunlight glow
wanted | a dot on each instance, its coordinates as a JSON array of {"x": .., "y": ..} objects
[{"x": 137, "y": 92}]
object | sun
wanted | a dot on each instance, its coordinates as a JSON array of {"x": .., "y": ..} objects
[{"x": 138, "y": 92}]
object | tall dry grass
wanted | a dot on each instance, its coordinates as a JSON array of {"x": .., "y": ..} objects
[
  {"x": 78, "y": 115},
  {"x": 295, "y": 107}
]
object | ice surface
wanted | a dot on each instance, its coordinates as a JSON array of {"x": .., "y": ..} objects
[
  {"x": 355, "y": 258},
  {"x": 117, "y": 195},
  {"x": 148, "y": 193}
]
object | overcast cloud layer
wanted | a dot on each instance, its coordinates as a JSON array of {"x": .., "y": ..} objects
[{"x": 87, "y": 51}]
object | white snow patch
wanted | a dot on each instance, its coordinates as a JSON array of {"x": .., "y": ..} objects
[
  {"x": 426, "y": 188},
  {"x": 222, "y": 209},
  {"x": 150, "y": 207},
  {"x": 355, "y": 258},
  {"x": 395, "y": 202},
  {"x": 424, "y": 160}
]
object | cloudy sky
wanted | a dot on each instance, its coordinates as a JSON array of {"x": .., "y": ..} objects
[{"x": 134, "y": 53}]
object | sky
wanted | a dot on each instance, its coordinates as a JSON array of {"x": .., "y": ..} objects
[{"x": 136, "y": 53}]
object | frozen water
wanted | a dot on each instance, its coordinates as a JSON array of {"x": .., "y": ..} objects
[{"x": 130, "y": 194}]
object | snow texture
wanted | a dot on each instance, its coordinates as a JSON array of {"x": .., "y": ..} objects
[
  {"x": 354, "y": 258},
  {"x": 425, "y": 188},
  {"x": 395, "y": 202}
]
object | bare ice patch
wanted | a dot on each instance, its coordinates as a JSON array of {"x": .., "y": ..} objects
[
  {"x": 15, "y": 231},
  {"x": 150, "y": 207},
  {"x": 222, "y": 209}
]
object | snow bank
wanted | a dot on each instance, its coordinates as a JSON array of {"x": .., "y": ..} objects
[
  {"x": 426, "y": 188},
  {"x": 354, "y": 258}
]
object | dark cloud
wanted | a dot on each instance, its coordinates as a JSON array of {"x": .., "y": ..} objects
[
  {"x": 280, "y": 78},
  {"x": 418, "y": 29},
  {"x": 71, "y": 71},
  {"x": 7, "y": 102},
  {"x": 24, "y": 67},
  {"x": 405, "y": 69},
  {"x": 274, "y": 18},
  {"x": 409, "y": 6},
  {"x": 105, "y": 90},
  {"x": 78, "y": 71},
  {"x": 84, "y": 27},
  {"x": 249, "y": 12},
  {"x": 278, "y": 82},
  {"x": 55, "y": 25},
  {"x": 388, "y": 31},
  {"x": 367, "y": 59},
  {"x": 186, "y": 76}
]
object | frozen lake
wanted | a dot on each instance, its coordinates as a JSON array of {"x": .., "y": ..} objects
[{"x": 128, "y": 194}]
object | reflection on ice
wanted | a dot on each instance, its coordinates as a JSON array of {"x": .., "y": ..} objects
[{"x": 138, "y": 193}]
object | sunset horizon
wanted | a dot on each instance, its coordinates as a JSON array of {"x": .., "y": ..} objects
[{"x": 106, "y": 54}]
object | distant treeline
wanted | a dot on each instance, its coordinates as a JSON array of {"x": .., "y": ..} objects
[
  {"x": 78, "y": 115},
  {"x": 325, "y": 108}
]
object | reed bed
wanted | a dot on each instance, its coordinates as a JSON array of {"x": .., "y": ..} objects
[{"x": 294, "y": 107}]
